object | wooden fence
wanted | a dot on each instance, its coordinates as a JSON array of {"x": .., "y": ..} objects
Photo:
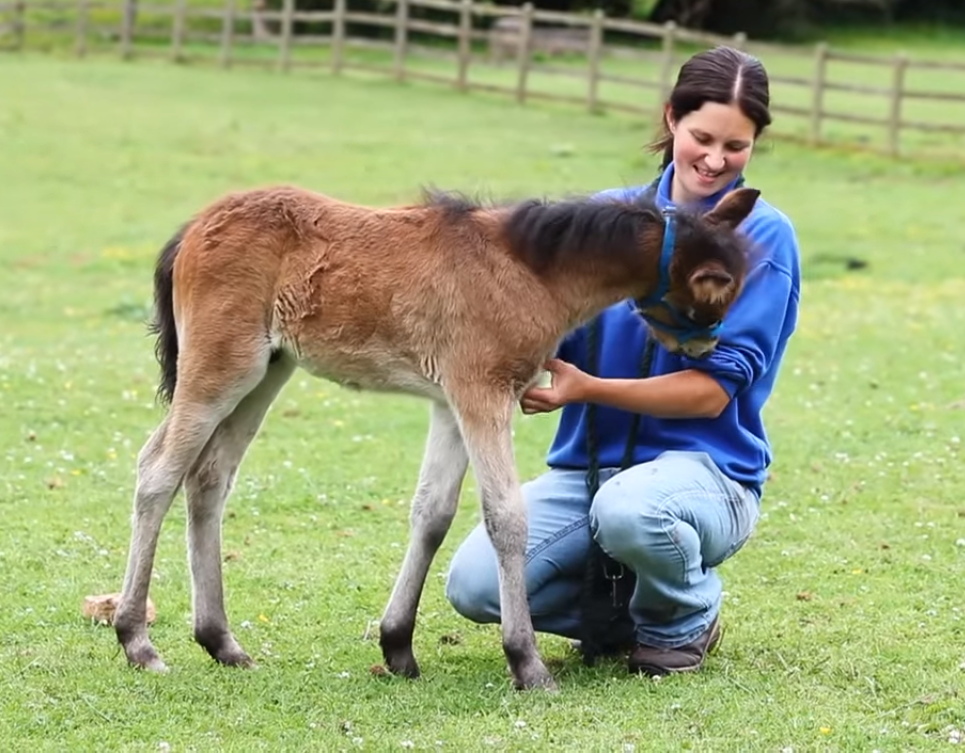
[{"x": 501, "y": 49}]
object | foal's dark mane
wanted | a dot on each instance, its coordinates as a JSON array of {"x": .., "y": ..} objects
[{"x": 543, "y": 232}]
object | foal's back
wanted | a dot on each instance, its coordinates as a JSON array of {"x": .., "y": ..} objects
[{"x": 384, "y": 299}]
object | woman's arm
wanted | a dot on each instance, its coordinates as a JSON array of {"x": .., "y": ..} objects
[{"x": 683, "y": 394}]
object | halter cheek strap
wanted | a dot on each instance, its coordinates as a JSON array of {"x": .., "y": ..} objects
[{"x": 684, "y": 328}]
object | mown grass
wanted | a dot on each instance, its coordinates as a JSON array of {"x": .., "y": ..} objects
[
  {"x": 792, "y": 67},
  {"x": 843, "y": 614}
]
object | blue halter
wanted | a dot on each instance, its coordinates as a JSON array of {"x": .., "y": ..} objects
[{"x": 684, "y": 328}]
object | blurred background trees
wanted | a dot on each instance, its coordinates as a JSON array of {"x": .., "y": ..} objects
[{"x": 760, "y": 19}]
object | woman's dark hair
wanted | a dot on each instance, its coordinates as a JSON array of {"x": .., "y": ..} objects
[{"x": 724, "y": 75}]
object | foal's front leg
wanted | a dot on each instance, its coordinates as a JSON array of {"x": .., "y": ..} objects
[
  {"x": 433, "y": 508},
  {"x": 486, "y": 427}
]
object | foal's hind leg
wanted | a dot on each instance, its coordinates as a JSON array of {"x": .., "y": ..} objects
[
  {"x": 162, "y": 464},
  {"x": 433, "y": 508},
  {"x": 486, "y": 421},
  {"x": 196, "y": 410},
  {"x": 207, "y": 487}
]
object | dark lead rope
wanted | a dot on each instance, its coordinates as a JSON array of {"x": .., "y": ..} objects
[{"x": 607, "y": 584}]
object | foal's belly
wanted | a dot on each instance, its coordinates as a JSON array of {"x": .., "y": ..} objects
[{"x": 374, "y": 371}]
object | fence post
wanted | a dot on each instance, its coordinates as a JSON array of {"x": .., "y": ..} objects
[
  {"x": 817, "y": 95},
  {"x": 593, "y": 55},
  {"x": 19, "y": 24},
  {"x": 338, "y": 36},
  {"x": 401, "y": 37},
  {"x": 666, "y": 68},
  {"x": 285, "y": 41},
  {"x": 522, "y": 51},
  {"x": 80, "y": 46},
  {"x": 465, "y": 43},
  {"x": 897, "y": 91},
  {"x": 177, "y": 30},
  {"x": 127, "y": 28},
  {"x": 227, "y": 33}
]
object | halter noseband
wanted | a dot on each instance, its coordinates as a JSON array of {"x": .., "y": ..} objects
[{"x": 684, "y": 328}]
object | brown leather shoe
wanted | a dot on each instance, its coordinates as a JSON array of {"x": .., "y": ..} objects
[{"x": 654, "y": 662}]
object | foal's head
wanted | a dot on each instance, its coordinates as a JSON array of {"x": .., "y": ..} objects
[{"x": 702, "y": 269}]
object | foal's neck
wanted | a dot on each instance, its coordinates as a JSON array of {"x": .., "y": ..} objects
[{"x": 613, "y": 263}]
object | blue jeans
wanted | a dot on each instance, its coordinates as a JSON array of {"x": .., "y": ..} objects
[{"x": 672, "y": 521}]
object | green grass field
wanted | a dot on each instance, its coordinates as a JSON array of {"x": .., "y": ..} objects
[{"x": 844, "y": 614}]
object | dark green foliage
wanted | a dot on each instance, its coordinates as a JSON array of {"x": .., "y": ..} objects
[
  {"x": 796, "y": 18},
  {"x": 760, "y": 19}
]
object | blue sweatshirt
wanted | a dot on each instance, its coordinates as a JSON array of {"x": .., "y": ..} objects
[{"x": 745, "y": 363}]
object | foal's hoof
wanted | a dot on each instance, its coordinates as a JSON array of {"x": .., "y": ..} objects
[
  {"x": 402, "y": 662},
  {"x": 396, "y": 645},
  {"x": 223, "y": 648},
  {"x": 156, "y": 665},
  {"x": 137, "y": 646},
  {"x": 152, "y": 664},
  {"x": 141, "y": 655},
  {"x": 236, "y": 659},
  {"x": 534, "y": 677}
]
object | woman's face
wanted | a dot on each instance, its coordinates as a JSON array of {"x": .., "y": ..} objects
[{"x": 711, "y": 146}]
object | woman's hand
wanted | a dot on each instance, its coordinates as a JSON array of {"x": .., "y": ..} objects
[{"x": 568, "y": 385}]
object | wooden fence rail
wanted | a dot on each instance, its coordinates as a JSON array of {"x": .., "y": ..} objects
[{"x": 509, "y": 45}]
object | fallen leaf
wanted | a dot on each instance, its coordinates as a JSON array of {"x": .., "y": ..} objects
[{"x": 804, "y": 596}]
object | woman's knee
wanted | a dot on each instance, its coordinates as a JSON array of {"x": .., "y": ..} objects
[
  {"x": 472, "y": 583},
  {"x": 627, "y": 521}
]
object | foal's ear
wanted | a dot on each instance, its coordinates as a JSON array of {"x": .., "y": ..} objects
[
  {"x": 710, "y": 284},
  {"x": 733, "y": 208}
]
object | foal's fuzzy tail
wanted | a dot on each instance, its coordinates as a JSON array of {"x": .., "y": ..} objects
[{"x": 166, "y": 347}]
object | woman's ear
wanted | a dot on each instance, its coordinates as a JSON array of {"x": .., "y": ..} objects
[{"x": 668, "y": 119}]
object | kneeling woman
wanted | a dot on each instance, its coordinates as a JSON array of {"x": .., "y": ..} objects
[{"x": 659, "y": 460}]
